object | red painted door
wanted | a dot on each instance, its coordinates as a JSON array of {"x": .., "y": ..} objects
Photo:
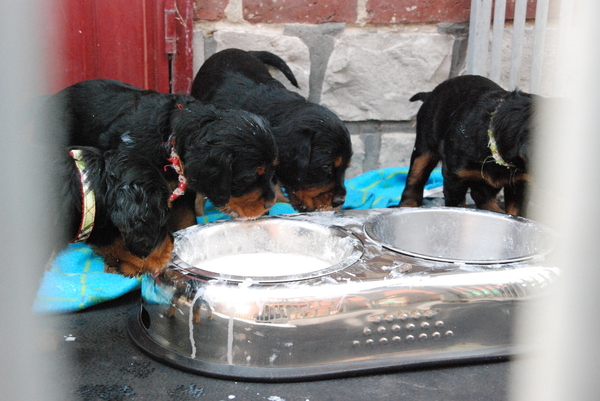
[{"x": 146, "y": 43}]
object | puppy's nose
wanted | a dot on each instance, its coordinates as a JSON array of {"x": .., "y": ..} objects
[{"x": 338, "y": 201}]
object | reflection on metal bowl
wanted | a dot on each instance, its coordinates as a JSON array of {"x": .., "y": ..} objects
[
  {"x": 372, "y": 307},
  {"x": 460, "y": 235},
  {"x": 213, "y": 250}
]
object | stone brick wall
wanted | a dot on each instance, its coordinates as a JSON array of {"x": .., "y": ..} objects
[
  {"x": 363, "y": 59},
  {"x": 347, "y": 11}
]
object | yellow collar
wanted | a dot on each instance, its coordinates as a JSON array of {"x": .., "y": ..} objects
[
  {"x": 88, "y": 199},
  {"x": 492, "y": 140}
]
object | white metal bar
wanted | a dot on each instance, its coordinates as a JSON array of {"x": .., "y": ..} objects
[
  {"x": 539, "y": 40},
  {"x": 518, "y": 40},
  {"x": 479, "y": 32},
  {"x": 497, "y": 37},
  {"x": 559, "y": 369},
  {"x": 472, "y": 30},
  {"x": 564, "y": 31}
]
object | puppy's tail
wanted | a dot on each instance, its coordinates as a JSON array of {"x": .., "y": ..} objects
[
  {"x": 422, "y": 96},
  {"x": 275, "y": 61}
]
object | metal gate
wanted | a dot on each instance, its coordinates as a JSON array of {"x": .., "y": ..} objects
[{"x": 485, "y": 31}]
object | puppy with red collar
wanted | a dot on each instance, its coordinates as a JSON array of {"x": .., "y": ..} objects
[{"x": 227, "y": 155}]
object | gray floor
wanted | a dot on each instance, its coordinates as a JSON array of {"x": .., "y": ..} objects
[{"x": 99, "y": 361}]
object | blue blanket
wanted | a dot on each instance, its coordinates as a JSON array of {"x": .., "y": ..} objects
[{"x": 76, "y": 278}]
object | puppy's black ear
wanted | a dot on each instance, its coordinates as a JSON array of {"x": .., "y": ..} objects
[
  {"x": 140, "y": 220},
  {"x": 210, "y": 172},
  {"x": 295, "y": 157},
  {"x": 136, "y": 200},
  {"x": 515, "y": 124}
]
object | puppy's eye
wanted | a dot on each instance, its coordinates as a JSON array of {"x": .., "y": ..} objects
[{"x": 328, "y": 168}]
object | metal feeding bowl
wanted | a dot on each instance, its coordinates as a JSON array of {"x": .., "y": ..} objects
[
  {"x": 269, "y": 250},
  {"x": 336, "y": 293},
  {"x": 460, "y": 235}
]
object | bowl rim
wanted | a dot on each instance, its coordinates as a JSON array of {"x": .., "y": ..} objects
[
  {"x": 368, "y": 228},
  {"x": 183, "y": 267}
]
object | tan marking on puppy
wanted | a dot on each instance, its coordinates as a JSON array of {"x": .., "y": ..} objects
[
  {"x": 311, "y": 199},
  {"x": 491, "y": 205},
  {"x": 117, "y": 259},
  {"x": 419, "y": 167},
  {"x": 338, "y": 162},
  {"x": 249, "y": 206},
  {"x": 479, "y": 175},
  {"x": 199, "y": 204},
  {"x": 513, "y": 210}
]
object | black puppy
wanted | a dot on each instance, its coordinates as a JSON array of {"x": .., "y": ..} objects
[
  {"x": 314, "y": 145},
  {"x": 482, "y": 134},
  {"x": 227, "y": 155},
  {"x": 118, "y": 204}
]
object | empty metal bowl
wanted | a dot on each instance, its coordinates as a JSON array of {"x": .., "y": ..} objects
[
  {"x": 269, "y": 250},
  {"x": 459, "y": 235}
]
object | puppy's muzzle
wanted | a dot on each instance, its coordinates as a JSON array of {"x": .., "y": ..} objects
[
  {"x": 338, "y": 201},
  {"x": 321, "y": 198},
  {"x": 249, "y": 206}
]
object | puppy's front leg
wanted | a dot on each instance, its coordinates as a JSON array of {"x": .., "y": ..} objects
[
  {"x": 199, "y": 204},
  {"x": 421, "y": 166},
  {"x": 183, "y": 213},
  {"x": 514, "y": 198},
  {"x": 279, "y": 195},
  {"x": 455, "y": 191},
  {"x": 484, "y": 196}
]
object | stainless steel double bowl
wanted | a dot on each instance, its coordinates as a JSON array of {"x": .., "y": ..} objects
[{"x": 326, "y": 294}]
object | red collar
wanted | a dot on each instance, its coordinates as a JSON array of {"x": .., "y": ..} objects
[{"x": 177, "y": 165}]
